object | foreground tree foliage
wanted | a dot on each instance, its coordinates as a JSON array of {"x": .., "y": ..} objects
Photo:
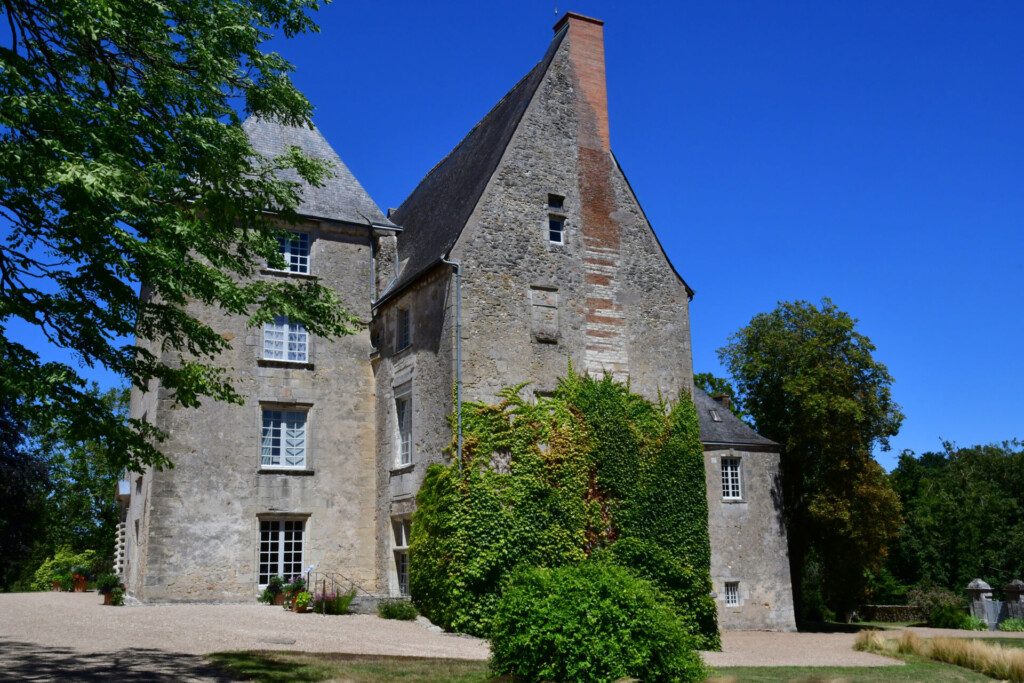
[
  {"x": 592, "y": 470},
  {"x": 964, "y": 516},
  {"x": 809, "y": 381},
  {"x": 123, "y": 163}
]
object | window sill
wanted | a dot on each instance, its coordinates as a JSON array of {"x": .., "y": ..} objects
[
  {"x": 288, "y": 364},
  {"x": 403, "y": 469},
  {"x": 282, "y": 470},
  {"x": 288, "y": 273},
  {"x": 734, "y": 501}
]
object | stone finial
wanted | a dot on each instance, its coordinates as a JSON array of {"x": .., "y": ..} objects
[
  {"x": 979, "y": 590},
  {"x": 1014, "y": 591}
]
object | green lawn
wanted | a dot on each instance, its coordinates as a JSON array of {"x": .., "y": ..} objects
[
  {"x": 1003, "y": 641},
  {"x": 298, "y": 667},
  {"x": 915, "y": 669}
]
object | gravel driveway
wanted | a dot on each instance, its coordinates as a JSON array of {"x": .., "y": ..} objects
[
  {"x": 71, "y": 636},
  {"x": 763, "y": 648}
]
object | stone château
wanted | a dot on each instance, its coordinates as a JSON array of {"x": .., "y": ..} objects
[{"x": 522, "y": 250}]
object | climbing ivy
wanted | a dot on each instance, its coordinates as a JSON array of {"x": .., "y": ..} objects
[{"x": 592, "y": 468}]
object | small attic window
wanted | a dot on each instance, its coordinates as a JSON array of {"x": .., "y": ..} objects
[
  {"x": 556, "y": 229},
  {"x": 556, "y": 202},
  {"x": 715, "y": 417}
]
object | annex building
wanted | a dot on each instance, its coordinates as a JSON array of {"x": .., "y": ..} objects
[{"x": 525, "y": 248}]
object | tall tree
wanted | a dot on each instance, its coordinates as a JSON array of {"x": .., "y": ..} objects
[
  {"x": 809, "y": 380},
  {"x": 123, "y": 165},
  {"x": 23, "y": 490}
]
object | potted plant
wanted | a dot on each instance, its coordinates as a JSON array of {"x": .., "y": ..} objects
[
  {"x": 273, "y": 594},
  {"x": 106, "y": 584},
  {"x": 117, "y": 597},
  {"x": 63, "y": 582},
  {"x": 302, "y": 600},
  {"x": 291, "y": 590},
  {"x": 78, "y": 578}
]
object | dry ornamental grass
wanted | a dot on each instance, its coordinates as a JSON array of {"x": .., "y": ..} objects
[{"x": 989, "y": 659}]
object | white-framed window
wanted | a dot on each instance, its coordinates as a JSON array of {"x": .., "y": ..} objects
[
  {"x": 284, "y": 339},
  {"x": 401, "y": 527},
  {"x": 403, "y": 415},
  {"x": 732, "y": 593},
  {"x": 295, "y": 250},
  {"x": 732, "y": 488},
  {"x": 556, "y": 229},
  {"x": 283, "y": 439},
  {"x": 403, "y": 329},
  {"x": 282, "y": 543}
]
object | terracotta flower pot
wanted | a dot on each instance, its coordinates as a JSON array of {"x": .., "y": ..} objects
[
  {"x": 79, "y": 583},
  {"x": 301, "y": 609},
  {"x": 279, "y": 599},
  {"x": 55, "y": 586},
  {"x": 107, "y": 597}
]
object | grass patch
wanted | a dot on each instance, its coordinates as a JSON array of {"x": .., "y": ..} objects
[
  {"x": 302, "y": 667},
  {"x": 984, "y": 656},
  {"x": 915, "y": 669}
]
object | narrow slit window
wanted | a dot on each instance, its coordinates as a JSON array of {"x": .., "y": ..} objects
[
  {"x": 404, "y": 333},
  {"x": 403, "y": 412},
  {"x": 732, "y": 593},
  {"x": 402, "y": 527},
  {"x": 732, "y": 488},
  {"x": 556, "y": 229}
]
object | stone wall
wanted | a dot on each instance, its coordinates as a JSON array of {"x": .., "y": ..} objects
[
  {"x": 748, "y": 543},
  {"x": 199, "y": 522},
  {"x": 425, "y": 369}
]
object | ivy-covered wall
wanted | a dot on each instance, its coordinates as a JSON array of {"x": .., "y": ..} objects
[{"x": 593, "y": 470}]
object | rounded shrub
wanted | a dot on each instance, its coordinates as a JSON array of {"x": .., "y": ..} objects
[
  {"x": 949, "y": 616},
  {"x": 590, "y": 622},
  {"x": 397, "y": 609},
  {"x": 1012, "y": 624}
]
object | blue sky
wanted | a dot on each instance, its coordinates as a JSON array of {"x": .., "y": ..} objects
[{"x": 872, "y": 152}]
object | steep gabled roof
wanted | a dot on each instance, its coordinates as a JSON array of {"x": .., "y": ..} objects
[
  {"x": 434, "y": 215},
  {"x": 341, "y": 197},
  {"x": 728, "y": 430}
]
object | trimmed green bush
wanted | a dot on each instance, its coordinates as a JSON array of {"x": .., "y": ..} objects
[
  {"x": 972, "y": 623},
  {"x": 117, "y": 597},
  {"x": 953, "y": 616},
  {"x": 397, "y": 609},
  {"x": 591, "y": 622},
  {"x": 548, "y": 483},
  {"x": 62, "y": 565},
  {"x": 1012, "y": 624}
]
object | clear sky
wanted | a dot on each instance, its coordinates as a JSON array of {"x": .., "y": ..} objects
[{"x": 872, "y": 152}]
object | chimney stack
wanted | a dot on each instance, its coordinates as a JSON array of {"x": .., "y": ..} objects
[
  {"x": 724, "y": 400},
  {"x": 586, "y": 52}
]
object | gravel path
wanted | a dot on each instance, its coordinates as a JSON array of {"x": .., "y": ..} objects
[
  {"x": 71, "y": 636},
  {"x": 763, "y": 648}
]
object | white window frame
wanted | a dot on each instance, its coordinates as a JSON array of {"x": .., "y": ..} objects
[
  {"x": 274, "y": 421},
  {"x": 401, "y": 528},
  {"x": 403, "y": 424},
  {"x": 297, "y": 252},
  {"x": 560, "y": 232},
  {"x": 731, "y": 593},
  {"x": 403, "y": 329},
  {"x": 732, "y": 478},
  {"x": 275, "y": 535},
  {"x": 285, "y": 340}
]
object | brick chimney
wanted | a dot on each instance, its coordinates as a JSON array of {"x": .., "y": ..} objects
[
  {"x": 601, "y": 233},
  {"x": 724, "y": 400},
  {"x": 586, "y": 52}
]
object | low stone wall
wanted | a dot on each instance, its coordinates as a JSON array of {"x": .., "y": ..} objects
[{"x": 889, "y": 613}]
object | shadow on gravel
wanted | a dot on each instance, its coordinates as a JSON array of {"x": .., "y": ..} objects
[{"x": 30, "y": 662}]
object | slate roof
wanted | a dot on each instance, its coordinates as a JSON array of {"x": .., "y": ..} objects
[
  {"x": 434, "y": 215},
  {"x": 341, "y": 197},
  {"x": 731, "y": 431}
]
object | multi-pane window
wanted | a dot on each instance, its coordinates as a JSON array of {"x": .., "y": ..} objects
[
  {"x": 283, "y": 442},
  {"x": 281, "y": 545},
  {"x": 284, "y": 339},
  {"x": 732, "y": 593},
  {"x": 556, "y": 229},
  {"x": 403, "y": 411},
  {"x": 295, "y": 250},
  {"x": 731, "y": 486},
  {"x": 401, "y": 528},
  {"x": 403, "y": 336}
]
